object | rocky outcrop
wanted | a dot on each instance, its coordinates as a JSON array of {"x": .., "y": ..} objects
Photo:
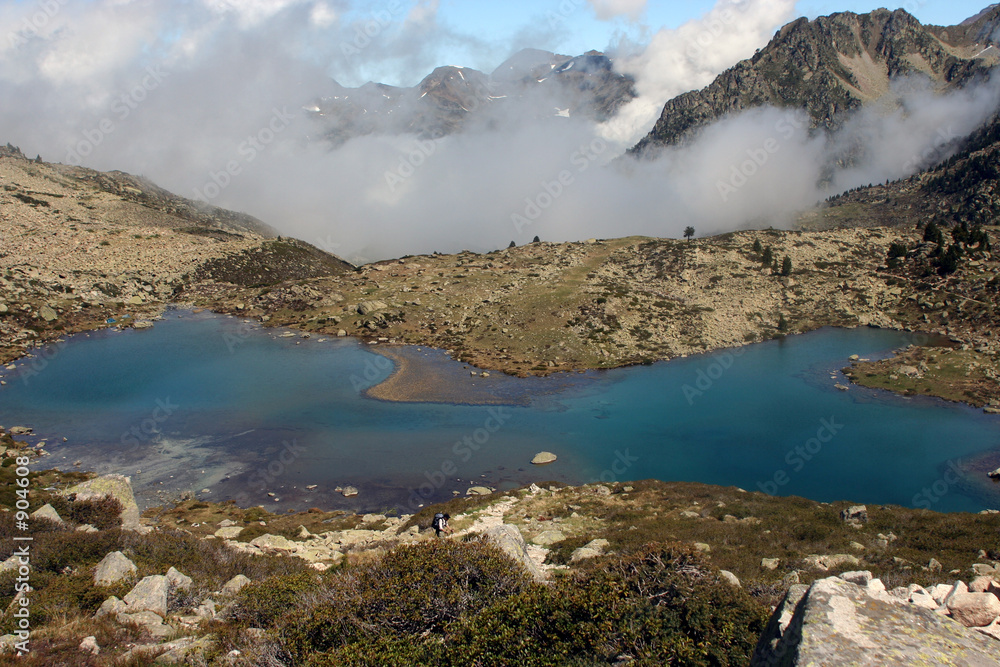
[
  {"x": 826, "y": 67},
  {"x": 118, "y": 487},
  {"x": 834, "y": 622}
]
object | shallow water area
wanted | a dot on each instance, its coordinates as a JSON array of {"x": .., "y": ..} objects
[{"x": 202, "y": 401}]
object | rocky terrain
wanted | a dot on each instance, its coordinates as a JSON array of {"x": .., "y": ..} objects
[
  {"x": 175, "y": 586},
  {"x": 81, "y": 249},
  {"x": 831, "y": 66}
]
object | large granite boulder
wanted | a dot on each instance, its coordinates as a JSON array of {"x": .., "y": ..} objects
[
  {"x": 835, "y": 622},
  {"x": 509, "y": 539},
  {"x": 113, "y": 568},
  {"x": 150, "y": 594},
  {"x": 116, "y": 486}
]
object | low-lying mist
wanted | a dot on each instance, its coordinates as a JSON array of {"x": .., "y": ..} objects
[{"x": 209, "y": 102}]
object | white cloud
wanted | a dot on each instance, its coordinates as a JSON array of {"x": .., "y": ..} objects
[{"x": 689, "y": 57}]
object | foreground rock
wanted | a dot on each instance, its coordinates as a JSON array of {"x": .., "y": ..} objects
[
  {"x": 509, "y": 539},
  {"x": 834, "y": 622},
  {"x": 118, "y": 487}
]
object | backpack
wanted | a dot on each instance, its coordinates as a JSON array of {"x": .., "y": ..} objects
[{"x": 438, "y": 521}]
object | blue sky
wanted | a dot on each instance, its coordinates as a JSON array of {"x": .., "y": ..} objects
[{"x": 578, "y": 30}]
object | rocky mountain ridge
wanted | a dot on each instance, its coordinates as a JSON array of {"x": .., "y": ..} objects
[
  {"x": 530, "y": 84},
  {"x": 832, "y": 66}
]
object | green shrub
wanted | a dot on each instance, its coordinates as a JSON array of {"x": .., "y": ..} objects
[
  {"x": 662, "y": 605},
  {"x": 410, "y": 591},
  {"x": 260, "y": 604}
]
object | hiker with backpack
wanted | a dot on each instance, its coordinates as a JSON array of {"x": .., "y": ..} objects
[{"x": 440, "y": 524}]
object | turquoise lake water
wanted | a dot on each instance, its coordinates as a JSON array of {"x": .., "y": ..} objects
[{"x": 204, "y": 401}]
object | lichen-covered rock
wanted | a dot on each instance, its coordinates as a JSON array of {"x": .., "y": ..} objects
[
  {"x": 509, "y": 539},
  {"x": 591, "y": 549},
  {"x": 48, "y": 512},
  {"x": 834, "y": 622},
  {"x": 177, "y": 580},
  {"x": 150, "y": 594},
  {"x": 233, "y": 586},
  {"x": 113, "y": 568},
  {"x": 116, "y": 486},
  {"x": 548, "y": 537}
]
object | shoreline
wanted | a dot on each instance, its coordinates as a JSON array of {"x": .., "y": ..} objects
[{"x": 413, "y": 382}]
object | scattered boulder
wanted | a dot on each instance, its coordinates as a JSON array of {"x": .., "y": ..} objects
[
  {"x": 178, "y": 581},
  {"x": 233, "y": 586},
  {"x": 112, "y": 606},
  {"x": 983, "y": 585},
  {"x": 834, "y": 622},
  {"x": 548, "y": 537},
  {"x": 508, "y": 538},
  {"x": 859, "y": 577},
  {"x": 273, "y": 543},
  {"x": 828, "y": 562},
  {"x": 478, "y": 491},
  {"x": 934, "y": 565},
  {"x": 591, "y": 549},
  {"x": 229, "y": 532},
  {"x": 47, "y": 313},
  {"x": 115, "y": 486},
  {"x": 150, "y": 594},
  {"x": 349, "y": 492},
  {"x": 366, "y": 307},
  {"x": 47, "y": 512},
  {"x": 974, "y": 610},
  {"x": 769, "y": 563},
  {"x": 542, "y": 458},
  {"x": 113, "y": 568},
  {"x": 89, "y": 645},
  {"x": 186, "y": 651},
  {"x": 730, "y": 578},
  {"x": 856, "y": 514}
]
